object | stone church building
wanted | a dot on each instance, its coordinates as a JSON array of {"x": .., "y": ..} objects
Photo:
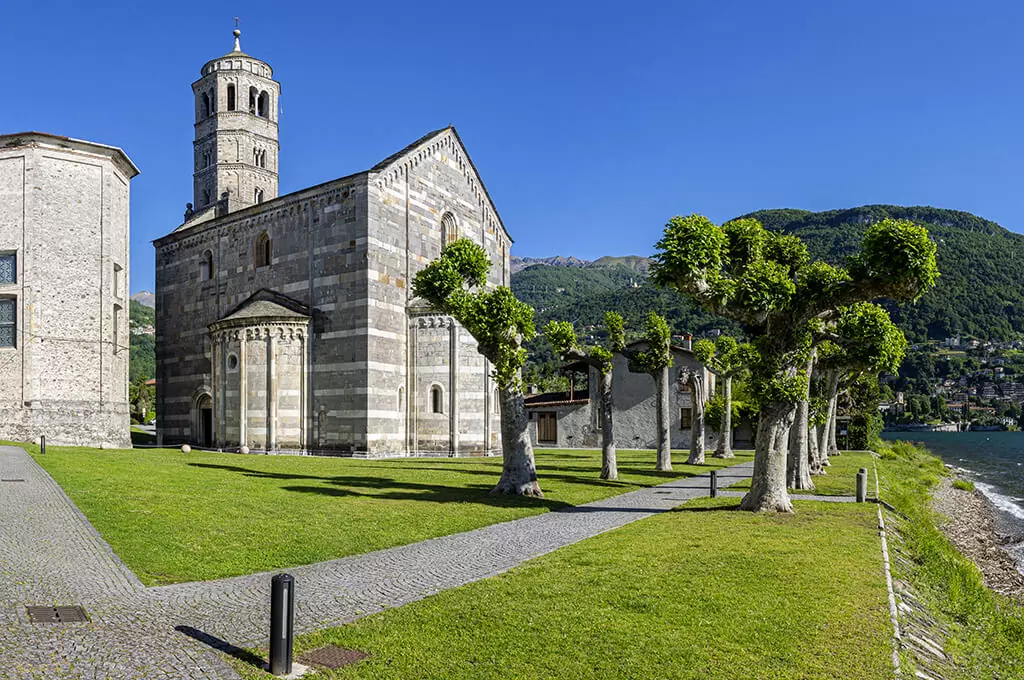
[
  {"x": 64, "y": 290},
  {"x": 287, "y": 324}
]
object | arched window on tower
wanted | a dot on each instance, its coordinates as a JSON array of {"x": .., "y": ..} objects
[
  {"x": 206, "y": 267},
  {"x": 253, "y": 93},
  {"x": 449, "y": 229},
  {"x": 205, "y": 105},
  {"x": 263, "y": 105},
  {"x": 258, "y": 195},
  {"x": 231, "y": 97},
  {"x": 206, "y": 197},
  {"x": 261, "y": 255},
  {"x": 436, "y": 399}
]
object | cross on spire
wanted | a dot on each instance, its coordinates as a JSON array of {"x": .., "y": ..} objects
[
  {"x": 236, "y": 22},
  {"x": 237, "y": 33}
]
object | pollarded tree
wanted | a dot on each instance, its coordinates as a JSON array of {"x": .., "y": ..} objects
[
  {"x": 862, "y": 339},
  {"x": 655, "y": 361},
  {"x": 500, "y": 324},
  {"x": 693, "y": 379},
  {"x": 766, "y": 281},
  {"x": 727, "y": 359},
  {"x": 563, "y": 338}
]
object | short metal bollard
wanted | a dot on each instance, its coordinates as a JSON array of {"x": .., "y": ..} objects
[
  {"x": 42, "y": 443},
  {"x": 714, "y": 483},
  {"x": 282, "y": 619},
  {"x": 862, "y": 485}
]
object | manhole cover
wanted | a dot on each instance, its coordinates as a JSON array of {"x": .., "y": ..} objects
[
  {"x": 56, "y": 614},
  {"x": 332, "y": 656}
]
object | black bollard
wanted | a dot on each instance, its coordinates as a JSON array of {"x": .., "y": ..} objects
[
  {"x": 42, "y": 443},
  {"x": 282, "y": 615},
  {"x": 714, "y": 483}
]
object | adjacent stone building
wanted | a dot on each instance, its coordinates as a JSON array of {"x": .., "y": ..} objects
[
  {"x": 64, "y": 290},
  {"x": 572, "y": 420},
  {"x": 286, "y": 323}
]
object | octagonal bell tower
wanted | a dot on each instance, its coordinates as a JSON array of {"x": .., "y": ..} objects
[{"x": 236, "y": 132}]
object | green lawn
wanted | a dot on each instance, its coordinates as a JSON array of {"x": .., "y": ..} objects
[
  {"x": 701, "y": 592},
  {"x": 174, "y": 517},
  {"x": 841, "y": 479}
]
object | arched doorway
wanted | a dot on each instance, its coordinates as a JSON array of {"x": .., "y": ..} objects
[{"x": 204, "y": 421}]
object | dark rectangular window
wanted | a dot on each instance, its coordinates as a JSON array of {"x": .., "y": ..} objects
[
  {"x": 684, "y": 419},
  {"x": 8, "y": 322},
  {"x": 8, "y": 268}
]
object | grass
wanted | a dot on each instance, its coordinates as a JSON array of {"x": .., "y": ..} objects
[
  {"x": 174, "y": 517},
  {"x": 701, "y": 592},
  {"x": 841, "y": 477},
  {"x": 986, "y": 629},
  {"x": 963, "y": 484}
]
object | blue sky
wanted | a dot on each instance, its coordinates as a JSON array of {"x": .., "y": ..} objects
[{"x": 591, "y": 122}]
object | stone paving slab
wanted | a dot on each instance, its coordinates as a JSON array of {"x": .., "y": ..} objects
[{"x": 50, "y": 554}]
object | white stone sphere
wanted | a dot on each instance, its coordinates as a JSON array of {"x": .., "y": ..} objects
[
  {"x": 185, "y": 448},
  {"x": 244, "y": 449}
]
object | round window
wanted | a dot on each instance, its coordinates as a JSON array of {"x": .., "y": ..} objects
[{"x": 232, "y": 362}]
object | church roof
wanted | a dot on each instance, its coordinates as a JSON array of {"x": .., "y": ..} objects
[{"x": 267, "y": 304}]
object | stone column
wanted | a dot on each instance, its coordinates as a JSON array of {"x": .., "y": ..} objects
[
  {"x": 243, "y": 389},
  {"x": 453, "y": 382},
  {"x": 217, "y": 392},
  {"x": 271, "y": 389}
]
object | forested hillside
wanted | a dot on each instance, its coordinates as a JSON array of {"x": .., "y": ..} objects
[
  {"x": 142, "y": 342},
  {"x": 980, "y": 292}
]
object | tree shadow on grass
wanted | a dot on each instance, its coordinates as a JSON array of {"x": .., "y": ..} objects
[
  {"x": 387, "y": 488},
  {"x": 707, "y": 508}
]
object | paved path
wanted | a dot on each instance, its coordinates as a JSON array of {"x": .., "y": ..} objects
[{"x": 51, "y": 555}]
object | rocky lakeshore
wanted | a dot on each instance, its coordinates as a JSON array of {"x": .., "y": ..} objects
[{"x": 972, "y": 524}]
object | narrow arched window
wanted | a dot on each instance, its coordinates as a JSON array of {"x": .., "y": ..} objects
[
  {"x": 436, "y": 399},
  {"x": 263, "y": 105},
  {"x": 205, "y": 101},
  {"x": 449, "y": 229},
  {"x": 496, "y": 406},
  {"x": 258, "y": 195},
  {"x": 206, "y": 197},
  {"x": 262, "y": 250},
  {"x": 401, "y": 399},
  {"x": 231, "y": 97},
  {"x": 253, "y": 92},
  {"x": 206, "y": 266}
]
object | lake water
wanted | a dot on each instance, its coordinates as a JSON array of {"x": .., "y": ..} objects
[{"x": 994, "y": 461}]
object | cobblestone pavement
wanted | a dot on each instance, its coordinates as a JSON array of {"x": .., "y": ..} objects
[{"x": 51, "y": 555}]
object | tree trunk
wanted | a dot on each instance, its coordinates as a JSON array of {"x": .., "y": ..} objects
[
  {"x": 827, "y": 436},
  {"x": 664, "y": 439},
  {"x": 518, "y": 470},
  {"x": 833, "y": 409},
  {"x": 798, "y": 468},
  {"x": 768, "y": 483},
  {"x": 724, "y": 448},
  {"x": 697, "y": 420},
  {"x": 817, "y": 468},
  {"x": 609, "y": 468}
]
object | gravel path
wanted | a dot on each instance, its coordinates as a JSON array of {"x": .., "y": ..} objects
[{"x": 51, "y": 555}]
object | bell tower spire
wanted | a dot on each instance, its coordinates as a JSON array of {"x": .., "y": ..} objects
[{"x": 236, "y": 140}]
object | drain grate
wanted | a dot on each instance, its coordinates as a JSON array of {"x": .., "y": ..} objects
[
  {"x": 12, "y": 480},
  {"x": 56, "y": 614},
  {"x": 332, "y": 656}
]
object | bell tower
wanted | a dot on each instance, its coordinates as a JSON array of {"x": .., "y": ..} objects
[{"x": 236, "y": 132}]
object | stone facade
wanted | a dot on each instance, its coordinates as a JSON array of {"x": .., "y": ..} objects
[
  {"x": 577, "y": 416},
  {"x": 64, "y": 290},
  {"x": 375, "y": 372}
]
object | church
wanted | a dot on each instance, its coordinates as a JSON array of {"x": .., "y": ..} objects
[{"x": 286, "y": 324}]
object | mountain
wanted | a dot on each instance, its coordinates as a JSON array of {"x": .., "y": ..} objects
[
  {"x": 982, "y": 264},
  {"x": 145, "y": 298},
  {"x": 141, "y": 341},
  {"x": 979, "y": 293}
]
